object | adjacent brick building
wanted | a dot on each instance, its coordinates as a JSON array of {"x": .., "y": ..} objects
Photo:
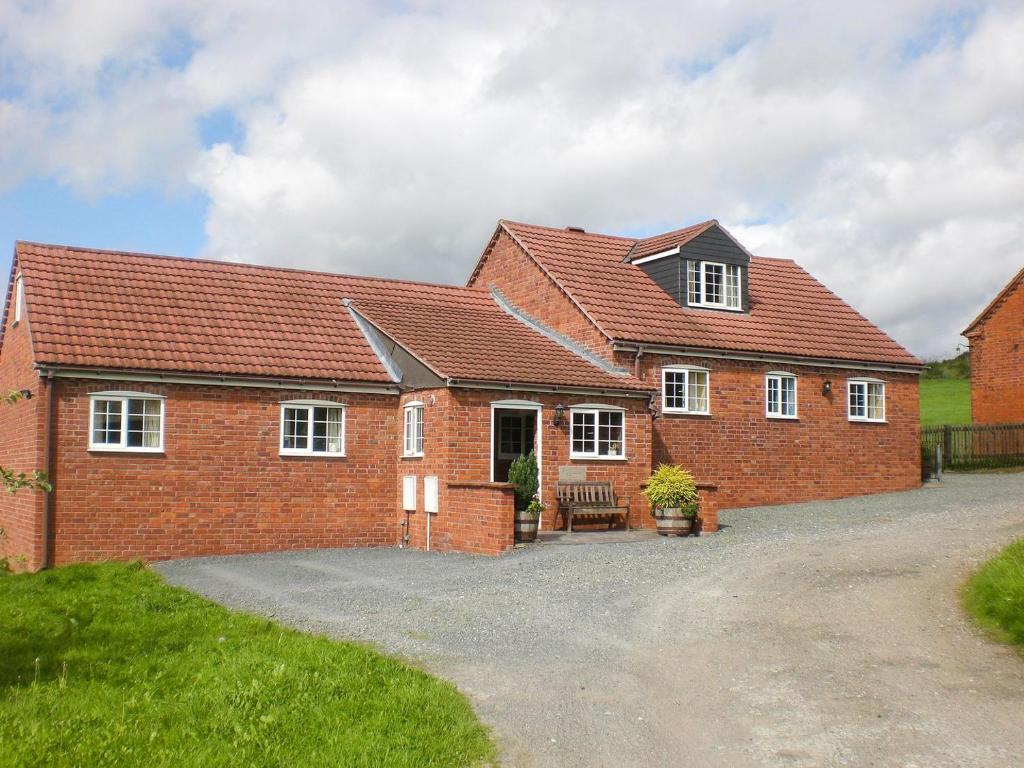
[
  {"x": 997, "y": 357},
  {"x": 185, "y": 407}
]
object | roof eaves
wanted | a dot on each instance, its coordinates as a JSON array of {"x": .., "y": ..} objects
[
  {"x": 698, "y": 230},
  {"x": 991, "y": 306}
]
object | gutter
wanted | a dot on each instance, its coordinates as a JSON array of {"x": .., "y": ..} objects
[
  {"x": 665, "y": 349},
  {"x": 107, "y": 374}
]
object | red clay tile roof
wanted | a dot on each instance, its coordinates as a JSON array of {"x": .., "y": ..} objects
[
  {"x": 791, "y": 313},
  {"x": 114, "y": 310},
  {"x": 1007, "y": 289},
  {"x": 470, "y": 337}
]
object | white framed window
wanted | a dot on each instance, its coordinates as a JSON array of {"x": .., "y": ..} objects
[
  {"x": 597, "y": 432},
  {"x": 685, "y": 390},
  {"x": 126, "y": 421},
  {"x": 19, "y": 298},
  {"x": 413, "y": 443},
  {"x": 711, "y": 284},
  {"x": 780, "y": 395},
  {"x": 865, "y": 400},
  {"x": 312, "y": 428}
]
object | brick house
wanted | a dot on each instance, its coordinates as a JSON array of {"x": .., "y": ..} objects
[
  {"x": 997, "y": 357},
  {"x": 186, "y": 407}
]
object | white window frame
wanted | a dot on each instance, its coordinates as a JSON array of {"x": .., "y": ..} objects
[
  {"x": 124, "y": 397},
  {"x": 309, "y": 405},
  {"x": 864, "y": 382},
  {"x": 19, "y": 297},
  {"x": 778, "y": 376},
  {"x": 687, "y": 369},
  {"x": 596, "y": 409},
  {"x": 698, "y": 269},
  {"x": 414, "y": 409}
]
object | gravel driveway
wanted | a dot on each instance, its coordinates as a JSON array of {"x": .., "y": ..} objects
[{"x": 807, "y": 635}]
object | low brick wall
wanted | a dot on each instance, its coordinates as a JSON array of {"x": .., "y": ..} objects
[{"x": 479, "y": 518}]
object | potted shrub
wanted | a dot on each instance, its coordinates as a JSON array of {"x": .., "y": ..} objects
[
  {"x": 523, "y": 477},
  {"x": 672, "y": 492}
]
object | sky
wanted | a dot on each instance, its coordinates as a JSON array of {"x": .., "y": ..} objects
[{"x": 879, "y": 144}]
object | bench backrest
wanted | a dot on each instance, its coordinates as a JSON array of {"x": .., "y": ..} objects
[{"x": 588, "y": 493}]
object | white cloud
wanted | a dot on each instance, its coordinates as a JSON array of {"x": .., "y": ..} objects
[{"x": 879, "y": 144}]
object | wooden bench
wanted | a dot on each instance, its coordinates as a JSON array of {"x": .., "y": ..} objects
[{"x": 588, "y": 501}]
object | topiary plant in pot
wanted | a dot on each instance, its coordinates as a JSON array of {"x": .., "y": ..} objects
[
  {"x": 675, "y": 502},
  {"x": 523, "y": 476}
]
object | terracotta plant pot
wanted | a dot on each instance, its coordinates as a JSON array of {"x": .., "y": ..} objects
[
  {"x": 673, "y": 522},
  {"x": 526, "y": 526}
]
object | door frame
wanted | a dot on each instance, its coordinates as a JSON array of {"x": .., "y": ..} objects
[{"x": 521, "y": 405}]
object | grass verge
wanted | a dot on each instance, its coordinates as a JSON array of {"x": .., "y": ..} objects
[
  {"x": 108, "y": 665},
  {"x": 994, "y": 595},
  {"x": 945, "y": 401}
]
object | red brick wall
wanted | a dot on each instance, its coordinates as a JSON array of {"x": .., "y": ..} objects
[
  {"x": 529, "y": 288},
  {"x": 21, "y": 448},
  {"x": 221, "y": 487},
  {"x": 997, "y": 363},
  {"x": 755, "y": 460}
]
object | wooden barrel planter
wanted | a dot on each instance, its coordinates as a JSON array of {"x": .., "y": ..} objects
[
  {"x": 526, "y": 526},
  {"x": 673, "y": 522}
]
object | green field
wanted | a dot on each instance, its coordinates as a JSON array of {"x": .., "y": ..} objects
[
  {"x": 995, "y": 595},
  {"x": 108, "y": 665},
  {"x": 945, "y": 401}
]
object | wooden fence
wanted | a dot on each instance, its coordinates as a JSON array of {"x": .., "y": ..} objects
[{"x": 972, "y": 446}]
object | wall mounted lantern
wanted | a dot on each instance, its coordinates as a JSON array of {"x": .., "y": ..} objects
[
  {"x": 826, "y": 388},
  {"x": 559, "y": 414}
]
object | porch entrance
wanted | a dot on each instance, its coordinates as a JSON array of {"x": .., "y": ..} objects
[{"x": 515, "y": 435}]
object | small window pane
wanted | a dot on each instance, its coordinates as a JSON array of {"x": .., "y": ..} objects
[
  {"x": 584, "y": 432},
  {"x": 697, "y": 391},
  {"x": 732, "y": 286},
  {"x": 296, "y": 429},
  {"x": 774, "y": 399},
  {"x": 414, "y": 430},
  {"x": 675, "y": 389},
  {"x": 876, "y": 400},
  {"x": 858, "y": 407},
  {"x": 609, "y": 433},
  {"x": 788, "y": 396},
  {"x": 713, "y": 280},
  {"x": 143, "y": 424},
  {"x": 106, "y": 422},
  {"x": 693, "y": 282},
  {"x": 327, "y": 430}
]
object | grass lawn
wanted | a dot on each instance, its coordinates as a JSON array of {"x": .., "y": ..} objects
[
  {"x": 995, "y": 595},
  {"x": 945, "y": 401},
  {"x": 108, "y": 665}
]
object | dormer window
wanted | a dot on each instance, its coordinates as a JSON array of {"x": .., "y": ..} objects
[{"x": 715, "y": 285}]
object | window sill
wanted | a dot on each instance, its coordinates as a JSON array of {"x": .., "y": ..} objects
[
  {"x": 597, "y": 458},
  {"x": 132, "y": 451},
  {"x": 867, "y": 421},
  {"x": 307, "y": 455},
  {"x": 405, "y": 456},
  {"x": 675, "y": 412},
  {"x": 775, "y": 417},
  {"x": 719, "y": 307}
]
